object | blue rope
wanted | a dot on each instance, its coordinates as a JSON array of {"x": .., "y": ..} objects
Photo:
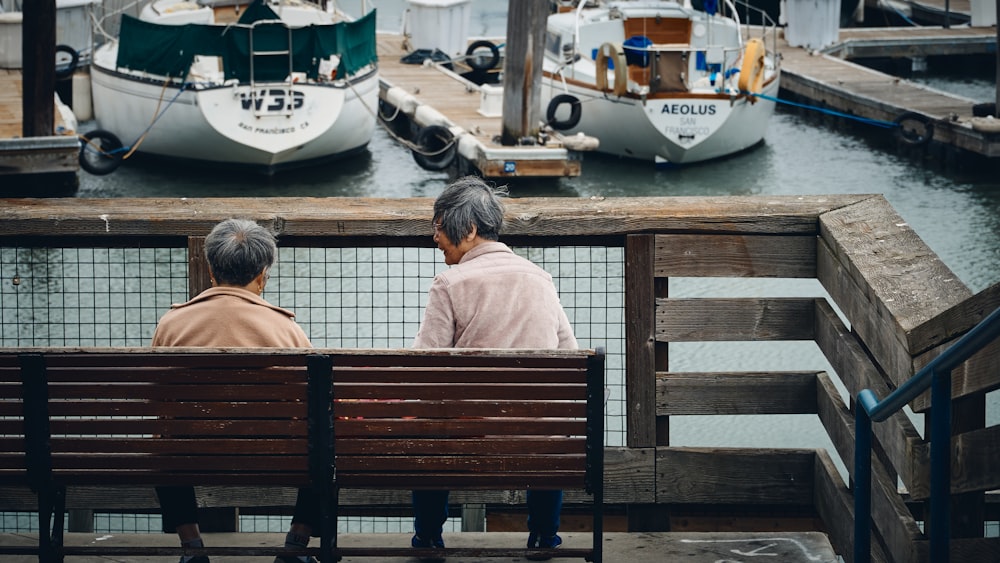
[{"x": 869, "y": 121}]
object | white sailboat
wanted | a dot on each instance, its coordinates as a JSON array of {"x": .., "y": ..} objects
[
  {"x": 254, "y": 84},
  {"x": 659, "y": 80}
]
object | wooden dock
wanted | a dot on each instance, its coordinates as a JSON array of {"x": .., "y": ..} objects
[
  {"x": 830, "y": 80},
  {"x": 430, "y": 95},
  {"x": 23, "y": 160}
]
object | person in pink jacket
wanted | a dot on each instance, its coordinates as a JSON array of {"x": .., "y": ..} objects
[
  {"x": 489, "y": 298},
  {"x": 232, "y": 314}
]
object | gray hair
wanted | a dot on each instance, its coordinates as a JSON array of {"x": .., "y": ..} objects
[
  {"x": 238, "y": 250},
  {"x": 470, "y": 201}
]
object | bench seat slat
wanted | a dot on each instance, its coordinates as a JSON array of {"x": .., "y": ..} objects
[
  {"x": 172, "y": 375},
  {"x": 202, "y": 409},
  {"x": 234, "y": 464},
  {"x": 177, "y": 428},
  {"x": 162, "y": 446},
  {"x": 455, "y": 375},
  {"x": 460, "y": 358},
  {"x": 440, "y": 409},
  {"x": 246, "y": 391},
  {"x": 246, "y": 358},
  {"x": 157, "y": 478},
  {"x": 466, "y": 391},
  {"x": 462, "y": 463},
  {"x": 12, "y": 426},
  {"x": 483, "y": 445},
  {"x": 460, "y": 427},
  {"x": 483, "y": 481}
]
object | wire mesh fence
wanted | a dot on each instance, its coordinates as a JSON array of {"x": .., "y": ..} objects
[{"x": 350, "y": 297}]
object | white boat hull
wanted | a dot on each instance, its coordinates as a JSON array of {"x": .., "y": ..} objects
[
  {"x": 657, "y": 80},
  {"x": 678, "y": 130},
  {"x": 219, "y": 124},
  {"x": 244, "y": 100}
]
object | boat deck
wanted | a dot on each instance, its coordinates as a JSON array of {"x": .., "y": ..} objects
[
  {"x": 430, "y": 95},
  {"x": 838, "y": 84},
  {"x": 11, "y": 105}
]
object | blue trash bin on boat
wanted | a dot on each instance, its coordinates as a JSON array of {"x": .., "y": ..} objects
[{"x": 636, "y": 50}]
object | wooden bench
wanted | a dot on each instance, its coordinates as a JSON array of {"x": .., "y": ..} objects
[
  {"x": 161, "y": 417},
  {"x": 461, "y": 419},
  {"x": 330, "y": 419}
]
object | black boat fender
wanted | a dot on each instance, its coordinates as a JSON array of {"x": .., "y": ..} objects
[
  {"x": 575, "y": 112},
  {"x": 435, "y": 148},
  {"x": 914, "y": 129},
  {"x": 66, "y": 69},
  {"x": 482, "y": 63},
  {"x": 100, "y": 152}
]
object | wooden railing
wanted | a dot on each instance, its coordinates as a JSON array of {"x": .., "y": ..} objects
[{"x": 887, "y": 306}]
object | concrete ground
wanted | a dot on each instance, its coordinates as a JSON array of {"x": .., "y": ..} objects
[{"x": 643, "y": 547}]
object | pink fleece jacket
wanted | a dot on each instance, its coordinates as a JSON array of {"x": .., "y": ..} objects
[
  {"x": 493, "y": 298},
  {"x": 229, "y": 317}
]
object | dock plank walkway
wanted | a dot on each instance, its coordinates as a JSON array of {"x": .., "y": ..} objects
[
  {"x": 429, "y": 95},
  {"x": 644, "y": 547},
  {"x": 838, "y": 84},
  {"x": 11, "y": 105}
]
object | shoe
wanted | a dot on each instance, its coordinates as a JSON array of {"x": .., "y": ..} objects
[
  {"x": 541, "y": 542},
  {"x": 433, "y": 543},
  {"x": 293, "y": 559}
]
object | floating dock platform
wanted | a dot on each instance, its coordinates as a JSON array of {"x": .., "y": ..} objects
[
  {"x": 429, "y": 95},
  {"x": 830, "y": 80},
  {"x": 25, "y": 161}
]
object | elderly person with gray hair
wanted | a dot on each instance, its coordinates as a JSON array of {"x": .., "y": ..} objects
[
  {"x": 232, "y": 314},
  {"x": 489, "y": 298}
]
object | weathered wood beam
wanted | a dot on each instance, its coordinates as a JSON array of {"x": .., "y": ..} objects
[
  {"x": 405, "y": 217},
  {"x": 735, "y": 393},
  {"x": 898, "y": 275},
  {"x": 734, "y": 476},
  {"x": 897, "y": 435},
  {"x": 876, "y": 331},
  {"x": 979, "y": 374},
  {"x": 640, "y": 341},
  {"x": 735, "y": 256},
  {"x": 739, "y": 319}
]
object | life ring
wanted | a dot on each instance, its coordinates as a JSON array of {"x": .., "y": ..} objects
[
  {"x": 481, "y": 63},
  {"x": 751, "y": 79},
  {"x": 100, "y": 152},
  {"x": 914, "y": 129},
  {"x": 66, "y": 69},
  {"x": 435, "y": 148},
  {"x": 575, "y": 111},
  {"x": 610, "y": 52}
]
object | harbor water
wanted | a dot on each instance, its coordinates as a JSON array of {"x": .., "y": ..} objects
[{"x": 956, "y": 212}]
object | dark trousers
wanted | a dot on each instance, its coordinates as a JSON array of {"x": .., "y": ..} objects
[
  {"x": 178, "y": 506},
  {"x": 430, "y": 510}
]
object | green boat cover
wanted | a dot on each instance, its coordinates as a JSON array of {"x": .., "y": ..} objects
[{"x": 169, "y": 50}]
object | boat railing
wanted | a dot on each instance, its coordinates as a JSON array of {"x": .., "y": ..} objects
[
  {"x": 757, "y": 23},
  {"x": 936, "y": 375}
]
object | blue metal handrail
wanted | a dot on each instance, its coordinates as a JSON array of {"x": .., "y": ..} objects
[{"x": 937, "y": 376}]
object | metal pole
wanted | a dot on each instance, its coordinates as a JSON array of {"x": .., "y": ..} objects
[
  {"x": 862, "y": 481},
  {"x": 940, "y": 532}
]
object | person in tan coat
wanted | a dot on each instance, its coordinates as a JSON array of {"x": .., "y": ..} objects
[
  {"x": 489, "y": 298},
  {"x": 232, "y": 313}
]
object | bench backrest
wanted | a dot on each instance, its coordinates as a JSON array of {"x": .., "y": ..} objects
[
  {"x": 13, "y": 464},
  {"x": 166, "y": 417},
  {"x": 473, "y": 419},
  {"x": 451, "y": 420}
]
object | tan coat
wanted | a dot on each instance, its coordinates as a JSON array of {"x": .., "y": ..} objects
[
  {"x": 493, "y": 298},
  {"x": 229, "y": 317}
]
